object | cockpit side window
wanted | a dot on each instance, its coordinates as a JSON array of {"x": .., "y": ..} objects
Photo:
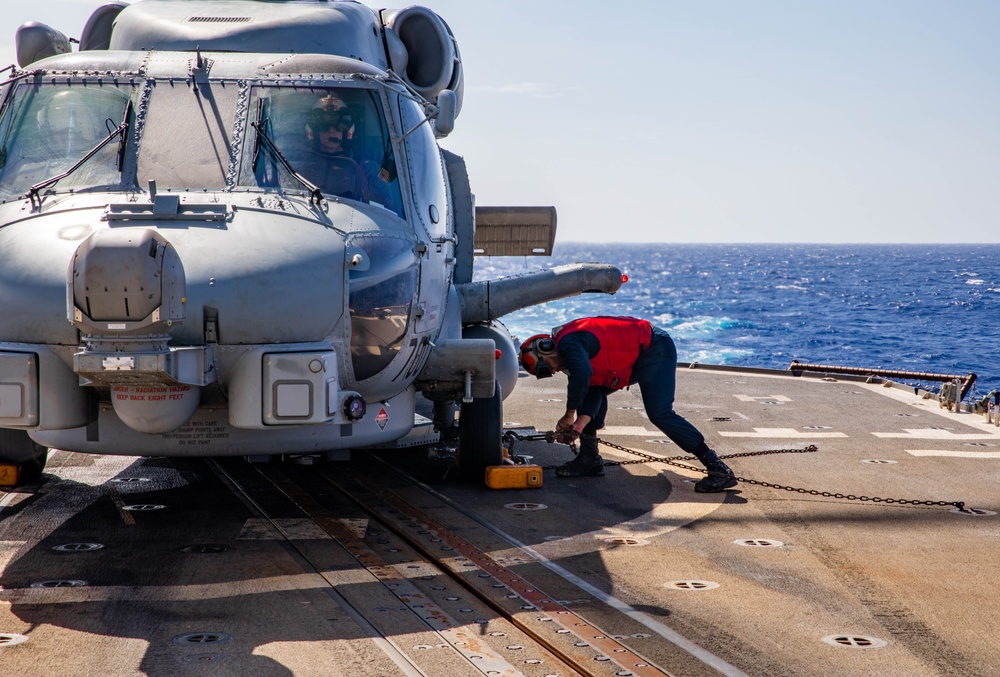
[
  {"x": 46, "y": 129},
  {"x": 334, "y": 137},
  {"x": 427, "y": 178}
]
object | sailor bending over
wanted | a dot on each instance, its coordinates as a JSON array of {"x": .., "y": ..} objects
[{"x": 604, "y": 354}]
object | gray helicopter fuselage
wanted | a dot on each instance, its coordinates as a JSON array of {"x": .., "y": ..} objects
[{"x": 268, "y": 254}]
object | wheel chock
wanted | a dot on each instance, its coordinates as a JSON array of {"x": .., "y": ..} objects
[
  {"x": 10, "y": 473},
  {"x": 514, "y": 476}
]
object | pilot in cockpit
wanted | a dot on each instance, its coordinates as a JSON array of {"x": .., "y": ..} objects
[
  {"x": 334, "y": 163},
  {"x": 330, "y": 163}
]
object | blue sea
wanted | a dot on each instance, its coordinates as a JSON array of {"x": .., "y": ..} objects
[{"x": 922, "y": 308}]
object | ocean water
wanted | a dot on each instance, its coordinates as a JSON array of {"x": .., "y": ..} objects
[{"x": 922, "y": 308}]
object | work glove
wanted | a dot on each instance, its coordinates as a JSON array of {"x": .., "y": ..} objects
[{"x": 567, "y": 435}]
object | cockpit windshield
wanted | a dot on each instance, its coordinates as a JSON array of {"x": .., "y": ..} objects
[
  {"x": 187, "y": 135},
  {"x": 46, "y": 129},
  {"x": 182, "y": 135},
  {"x": 336, "y": 138}
]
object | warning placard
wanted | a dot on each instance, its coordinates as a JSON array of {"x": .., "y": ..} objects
[
  {"x": 153, "y": 393},
  {"x": 382, "y": 417}
]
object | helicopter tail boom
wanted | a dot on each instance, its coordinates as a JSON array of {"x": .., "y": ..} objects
[{"x": 490, "y": 299}]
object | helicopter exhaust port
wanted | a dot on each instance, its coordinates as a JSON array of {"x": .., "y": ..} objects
[{"x": 125, "y": 290}]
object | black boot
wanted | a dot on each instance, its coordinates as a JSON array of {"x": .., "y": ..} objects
[
  {"x": 588, "y": 463},
  {"x": 719, "y": 478}
]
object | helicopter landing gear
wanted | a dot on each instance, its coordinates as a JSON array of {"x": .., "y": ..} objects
[
  {"x": 480, "y": 443},
  {"x": 22, "y": 460}
]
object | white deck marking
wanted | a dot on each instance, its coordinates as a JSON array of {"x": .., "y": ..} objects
[
  {"x": 953, "y": 454},
  {"x": 930, "y": 407},
  {"x": 757, "y": 398},
  {"x": 630, "y": 430},
  {"x": 933, "y": 434},
  {"x": 781, "y": 433},
  {"x": 294, "y": 529}
]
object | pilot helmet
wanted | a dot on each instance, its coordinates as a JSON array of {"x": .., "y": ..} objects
[
  {"x": 532, "y": 352},
  {"x": 331, "y": 111}
]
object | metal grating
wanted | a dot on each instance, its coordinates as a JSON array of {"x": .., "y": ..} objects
[
  {"x": 973, "y": 512},
  {"x": 204, "y": 658},
  {"x": 10, "y": 639},
  {"x": 759, "y": 543},
  {"x": 525, "y": 506},
  {"x": 204, "y": 548},
  {"x": 59, "y": 583},
  {"x": 203, "y": 638},
  {"x": 855, "y": 641},
  {"x": 77, "y": 547},
  {"x": 623, "y": 540},
  {"x": 690, "y": 584},
  {"x": 219, "y": 19}
]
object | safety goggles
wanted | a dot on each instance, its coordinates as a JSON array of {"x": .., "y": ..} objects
[{"x": 339, "y": 120}]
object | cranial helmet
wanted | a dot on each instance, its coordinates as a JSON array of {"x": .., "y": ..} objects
[
  {"x": 532, "y": 352},
  {"x": 331, "y": 111}
]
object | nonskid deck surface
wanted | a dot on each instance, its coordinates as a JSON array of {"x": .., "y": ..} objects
[{"x": 228, "y": 568}]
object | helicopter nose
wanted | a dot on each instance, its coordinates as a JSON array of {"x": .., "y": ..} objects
[{"x": 126, "y": 288}]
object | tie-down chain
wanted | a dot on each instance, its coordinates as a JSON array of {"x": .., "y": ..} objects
[{"x": 511, "y": 436}]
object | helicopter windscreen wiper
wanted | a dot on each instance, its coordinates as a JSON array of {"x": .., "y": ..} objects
[
  {"x": 260, "y": 124},
  {"x": 123, "y": 138},
  {"x": 112, "y": 133}
]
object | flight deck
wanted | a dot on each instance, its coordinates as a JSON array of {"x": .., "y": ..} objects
[{"x": 848, "y": 554}]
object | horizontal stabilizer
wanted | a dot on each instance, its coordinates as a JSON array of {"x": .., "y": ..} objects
[{"x": 515, "y": 231}]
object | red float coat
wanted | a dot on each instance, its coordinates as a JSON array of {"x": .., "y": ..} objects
[{"x": 622, "y": 340}]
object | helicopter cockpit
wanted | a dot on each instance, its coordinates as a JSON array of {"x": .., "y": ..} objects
[
  {"x": 207, "y": 136},
  {"x": 335, "y": 138},
  {"x": 45, "y": 129}
]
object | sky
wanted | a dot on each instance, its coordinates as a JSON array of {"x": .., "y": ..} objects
[{"x": 721, "y": 120}]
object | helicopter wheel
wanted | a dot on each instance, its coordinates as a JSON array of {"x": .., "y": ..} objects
[
  {"x": 480, "y": 442},
  {"x": 16, "y": 448}
]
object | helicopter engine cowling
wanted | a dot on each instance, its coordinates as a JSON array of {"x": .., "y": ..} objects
[
  {"x": 34, "y": 41},
  {"x": 97, "y": 31},
  {"x": 428, "y": 59}
]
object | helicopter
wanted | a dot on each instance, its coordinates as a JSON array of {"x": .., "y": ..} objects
[{"x": 227, "y": 228}]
